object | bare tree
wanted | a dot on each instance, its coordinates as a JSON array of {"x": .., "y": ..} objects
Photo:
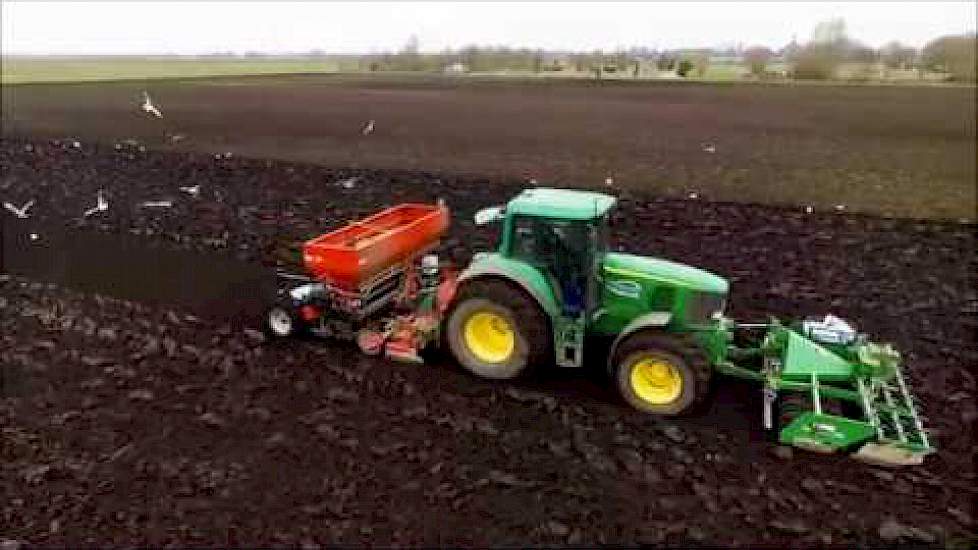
[
  {"x": 757, "y": 58},
  {"x": 895, "y": 55},
  {"x": 820, "y": 58},
  {"x": 952, "y": 54}
]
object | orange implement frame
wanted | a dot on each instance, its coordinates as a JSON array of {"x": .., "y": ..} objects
[{"x": 350, "y": 257}]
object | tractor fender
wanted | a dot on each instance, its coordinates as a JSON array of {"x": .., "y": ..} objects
[
  {"x": 655, "y": 319},
  {"x": 542, "y": 296}
]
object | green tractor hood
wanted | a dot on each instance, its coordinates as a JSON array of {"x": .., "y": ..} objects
[{"x": 664, "y": 271}]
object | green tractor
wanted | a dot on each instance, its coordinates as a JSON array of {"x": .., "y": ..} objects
[{"x": 553, "y": 292}]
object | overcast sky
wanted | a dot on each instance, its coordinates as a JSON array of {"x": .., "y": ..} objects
[{"x": 340, "y": 27}]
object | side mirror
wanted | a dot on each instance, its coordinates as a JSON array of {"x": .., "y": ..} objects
[{"x": 489, "y": 215}]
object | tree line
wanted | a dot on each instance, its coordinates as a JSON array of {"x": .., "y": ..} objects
[{"x": 828, "y": 49}]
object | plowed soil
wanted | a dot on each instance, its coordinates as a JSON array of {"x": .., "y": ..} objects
[
  {"x": 127, "y": 420},
  {"x": 889, "y": 150}
]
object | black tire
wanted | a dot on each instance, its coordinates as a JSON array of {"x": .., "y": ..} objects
[
  {"x": 690, "y": 362},
  {"x": 530, "y": 327},
  {"x": 274, "y": 317}
]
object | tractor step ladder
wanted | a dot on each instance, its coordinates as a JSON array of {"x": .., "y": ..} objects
[
  {"x": 889, "y": 407},
  {"x": 570, "y": 342}
]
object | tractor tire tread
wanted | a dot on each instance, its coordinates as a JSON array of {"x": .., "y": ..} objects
[
  {"x": 533, "y": 322},
  {"x": 681, "y": 345}
]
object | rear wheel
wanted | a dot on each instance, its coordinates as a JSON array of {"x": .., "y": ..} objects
[
  {"x": 661, "y": 374},
  {"x": 496, "y": 331}
]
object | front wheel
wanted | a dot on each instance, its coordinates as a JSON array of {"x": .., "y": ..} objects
[
  {"x": 661, "y": 374},
  {"x": 281, "y": 321}
]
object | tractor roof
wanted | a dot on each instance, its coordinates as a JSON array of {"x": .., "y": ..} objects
[{"x": 560, "y": 203}]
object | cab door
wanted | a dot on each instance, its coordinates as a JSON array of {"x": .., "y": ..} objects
[{"x": 563, "y": 251}]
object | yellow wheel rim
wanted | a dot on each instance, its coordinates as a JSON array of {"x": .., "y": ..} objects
[
  {"x": 656, "y": 381},
  {"x": 489, "y": 337}
]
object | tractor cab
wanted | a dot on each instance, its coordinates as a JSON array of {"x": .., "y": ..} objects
[
  {"x": 563, "y": 240},
  {"x": 562, "y": 235}
]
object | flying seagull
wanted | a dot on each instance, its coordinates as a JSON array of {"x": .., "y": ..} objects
[
  {"x": 148, "y": 106},
  {"x": 20, "y": 212},
  {"x": 349, "y": 183},
  {"x": 101, "y": 205},
  {"x": 709, "y": 148},
  {"x": 192, "y": 191},
  {"x": 369, "y": 128}
]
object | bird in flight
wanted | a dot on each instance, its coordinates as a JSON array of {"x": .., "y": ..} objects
[
  {"x": 192, "y": 191},
  {"x": 369, "y": 128},
  {"x": 101, "y": 205},
  {"x": 20, "y": 212},
  {"x": 148, "y": 106}
]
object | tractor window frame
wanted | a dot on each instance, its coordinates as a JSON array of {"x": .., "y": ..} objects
[{"x": 550, "y": 228}]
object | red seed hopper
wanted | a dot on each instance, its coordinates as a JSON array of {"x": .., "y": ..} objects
[{"x": 351, "y": 256}]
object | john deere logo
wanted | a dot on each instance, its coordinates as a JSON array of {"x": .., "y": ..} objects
[{"x": 628, "y": 289}]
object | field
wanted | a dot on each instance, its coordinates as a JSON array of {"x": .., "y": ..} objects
[
  {"x": 888, "y": 150},
  {"x": 139, "y": 405},
  {"x": 24, "y": 69}
]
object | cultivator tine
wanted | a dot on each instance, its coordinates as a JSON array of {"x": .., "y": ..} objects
[
  {"x": 770, "y": 396},
  {"x": 816, "y": 398},
  {"x": 893, "y": 412},
  {"x": 891, "y": 409},
  {"x": 871, "y": 413},
  {"x": 913, "y": 410}
]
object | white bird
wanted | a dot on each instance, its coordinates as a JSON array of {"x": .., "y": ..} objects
[
  {"x": 34, "y": 236},
  {"x": 348, "y": 183},
  {"x": 533, "y": 181},
  {"x": 840, "y": 207},
  {"x": 369, "y": 128},
  {"x": 809, "y": 209},
  {"x": 694, "y": 195},
  {"x": 20, "y": 212},
  {"x": 157, "y": 204},
  {"x": 609, "y": 181},
  {"x": 148, "y": 106},
  {"x": 192, "y": 191},
  {"x": 101, "y": 205},
  {"x": 709, "y": 148}
]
